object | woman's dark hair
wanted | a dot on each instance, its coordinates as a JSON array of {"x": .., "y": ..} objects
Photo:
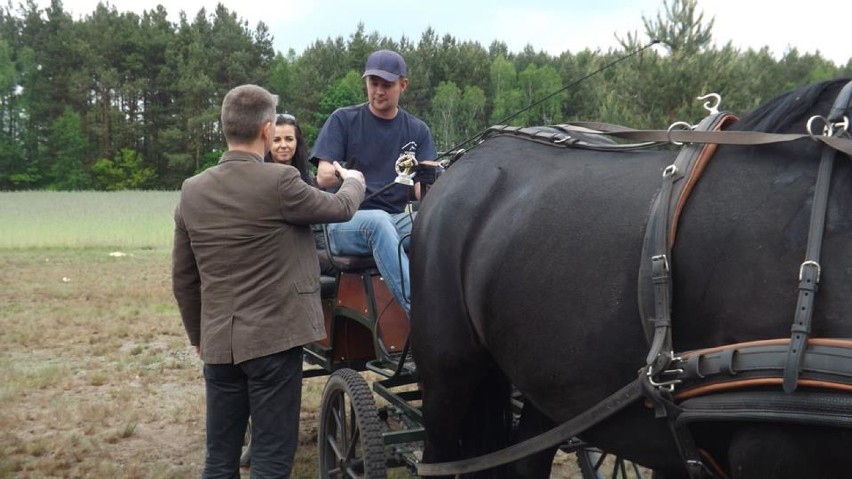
[{"x": 300, "y": 157}]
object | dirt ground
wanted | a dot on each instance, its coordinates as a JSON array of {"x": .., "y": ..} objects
[{"x": 96, "y": 376}]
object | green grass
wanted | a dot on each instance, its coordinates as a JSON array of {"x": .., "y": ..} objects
[{"x": 85, "y": 219}]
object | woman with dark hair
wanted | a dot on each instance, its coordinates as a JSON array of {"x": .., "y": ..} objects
[{"x": 289, "y": 147}]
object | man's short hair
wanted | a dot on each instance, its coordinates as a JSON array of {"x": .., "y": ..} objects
[{"x": 244, "y": 111}]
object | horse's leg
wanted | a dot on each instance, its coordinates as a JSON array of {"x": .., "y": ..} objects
[
  {"x": 533, "y": 422},
  {"x": 466, "y": 409},
  {"x": 465, "y": 413}
]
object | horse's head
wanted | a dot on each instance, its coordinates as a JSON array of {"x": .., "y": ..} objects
[{"x": 790, "y": 112}]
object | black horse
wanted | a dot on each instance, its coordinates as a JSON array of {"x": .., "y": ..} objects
[{"x": 525, "y": 260}]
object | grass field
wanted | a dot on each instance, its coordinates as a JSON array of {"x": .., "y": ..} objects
[
  {"x": 128, "y": 219},
  {"x": 96, "y": 376}
]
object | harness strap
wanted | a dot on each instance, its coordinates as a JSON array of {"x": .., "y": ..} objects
[
  {"x": 743, "y": 138},
  {"x": 562, "y": 137},
  {"x": 678, "y": 180},
  {"x": 573, "y": 427},
  {"x": 809, "y": 272},
  {"x": 827, "y": 365}
]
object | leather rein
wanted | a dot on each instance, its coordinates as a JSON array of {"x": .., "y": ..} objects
[{"x": 819, "y": 362}]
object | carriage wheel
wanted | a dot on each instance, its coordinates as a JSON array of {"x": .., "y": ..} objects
[
  {"x": 350, "y": 435},
  {"x": 245, "y": 457},
  {"x": 596, "y": 464}
]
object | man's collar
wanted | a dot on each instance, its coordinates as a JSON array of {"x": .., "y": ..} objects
[{"x": 241, "y": 155}]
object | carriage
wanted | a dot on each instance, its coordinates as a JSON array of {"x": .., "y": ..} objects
[{"x": 714, "y": 381}]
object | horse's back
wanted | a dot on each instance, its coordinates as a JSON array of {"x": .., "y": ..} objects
[{"x": 536, "y": 248}]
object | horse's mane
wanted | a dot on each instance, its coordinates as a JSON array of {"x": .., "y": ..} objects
[{"x": 789, "y": 111}]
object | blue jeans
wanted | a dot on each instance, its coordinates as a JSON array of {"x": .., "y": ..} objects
[
  {"x": 378, "y": 233},
  {"x": 268, "y": 388}
]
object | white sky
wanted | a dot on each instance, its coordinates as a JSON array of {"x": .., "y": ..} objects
[{"x": 550, "y": 25}]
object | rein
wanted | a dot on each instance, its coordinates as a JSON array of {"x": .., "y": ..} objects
[
  {"x": 657, "y": 380},
  {"x": 576, "y": 135},
  {"x": 678, "y": 136}
]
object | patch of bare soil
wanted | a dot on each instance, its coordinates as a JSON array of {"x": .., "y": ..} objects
[{"x": 97, "y": 378}]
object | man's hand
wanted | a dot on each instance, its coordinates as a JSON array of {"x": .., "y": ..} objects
[
  {"x": 327, "y": 175},
  {"x": 426, "y": 172},
  {"x": 344, "y": 173}
]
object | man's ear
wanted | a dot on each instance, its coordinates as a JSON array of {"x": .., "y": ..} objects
[
  {"x": 266, "y": 134},
  {"x": 403, "y": 83},
  {"x": 267, "y": 131}
]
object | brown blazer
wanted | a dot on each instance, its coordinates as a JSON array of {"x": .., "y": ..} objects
[{"x": 245, "y": 270}]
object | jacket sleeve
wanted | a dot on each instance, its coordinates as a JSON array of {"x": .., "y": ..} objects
[
  {"x": 186, "y": 281},
  {"x": 301, "y": 203}
]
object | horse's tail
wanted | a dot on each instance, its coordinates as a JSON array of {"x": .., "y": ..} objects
[{"x": 489, "y": 422}]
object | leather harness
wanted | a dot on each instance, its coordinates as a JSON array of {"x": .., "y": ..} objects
[{"x": 816, "y": 363}]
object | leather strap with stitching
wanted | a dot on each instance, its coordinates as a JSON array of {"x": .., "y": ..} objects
[
  {"x": 742, "y": 138},
  {"x": 678, "y": 180},
  {"x": 809, "y": 272}
]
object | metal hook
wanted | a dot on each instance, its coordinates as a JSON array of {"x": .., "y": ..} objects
[
  {"x": 683, "y": 125},
  {"x": 829, "y": 128},
  {"x": 810, "y": 126},
  {"x": 843, "y": 125},
  {"x": 713, "y": 108}
]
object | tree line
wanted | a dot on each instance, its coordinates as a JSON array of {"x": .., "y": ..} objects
[{"x": 117, "y": 100}]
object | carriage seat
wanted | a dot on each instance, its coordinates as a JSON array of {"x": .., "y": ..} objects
[
  {"x": 328, "y": 286},
  {"x": 349, "y": 263}
]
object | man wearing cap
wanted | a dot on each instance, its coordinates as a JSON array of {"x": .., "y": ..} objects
[{"x": 370, "y": 138}]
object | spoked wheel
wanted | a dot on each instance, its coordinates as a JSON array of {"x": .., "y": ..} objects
[
  {"x": 350, "y": 434},
  {"x": 597, "y": 464}
]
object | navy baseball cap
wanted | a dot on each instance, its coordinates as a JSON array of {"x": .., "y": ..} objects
[{"x": 386, "y": 64}]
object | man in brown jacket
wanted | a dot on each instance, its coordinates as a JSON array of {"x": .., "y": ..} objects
[{"x": 246, "y": 279}]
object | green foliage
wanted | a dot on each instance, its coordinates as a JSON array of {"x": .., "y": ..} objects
[
  {"x": 471, "y": 117},
  {"x": 211, "y": 158},
  {"x": 16, "y": 173},
  {"x": 682, "y": 30},
  {"x": 536, "y": 84},
  {"x": 124, "y": 172},
  {"x": 346, "y": 91},
  {"x": 141, "y": 94},
  {"x": 69, "y": 147},
  {"x": 445, "y": 110},
  {"x": 506, "y": 98}
]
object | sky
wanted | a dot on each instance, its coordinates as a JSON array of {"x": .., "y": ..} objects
[{"x": 553, "y": 26}]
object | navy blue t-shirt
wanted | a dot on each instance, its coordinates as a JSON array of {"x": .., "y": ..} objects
[{"x": 372, "y": 145}]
